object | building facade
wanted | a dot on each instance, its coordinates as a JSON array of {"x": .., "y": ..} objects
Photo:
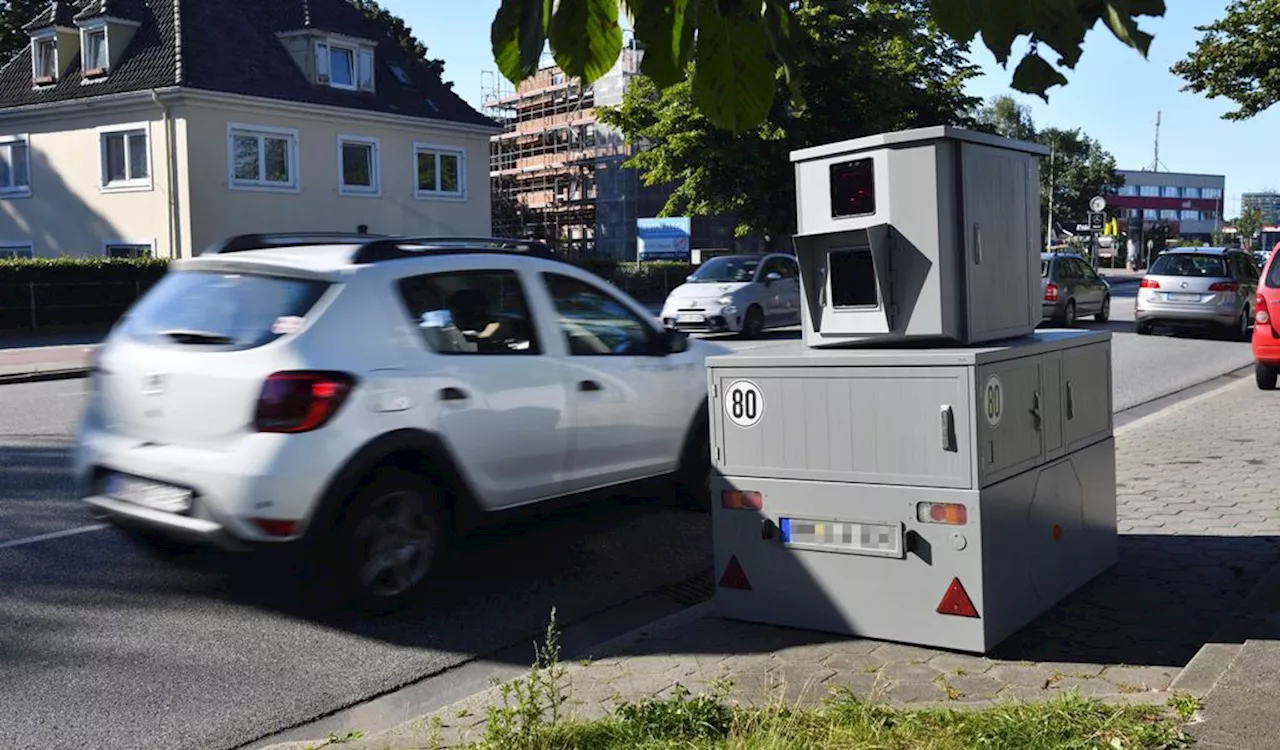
[
  {"x": 157, "y": 127},
  {"x": 1189, "y": 204},
  {"x": 1268, "y": 203}
]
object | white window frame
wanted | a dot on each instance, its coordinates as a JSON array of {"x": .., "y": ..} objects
[
  {"x": 361, "y": 64},
  {"x": 131, "y": 185},
  {"x": 375, "y": 172},
  {"x": 17, "y": 191},
  {"x": 18, "y": 247},
  {"x": 42, "y": 37},
  {"x": 149, "y": 244},
  {"x": 91, "y": 28},
  {"x": 263, "y": 131},
  {"x": 438, "y": 149}
]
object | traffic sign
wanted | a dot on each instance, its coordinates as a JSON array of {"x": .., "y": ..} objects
[
  {"x": 1097, "y": 204},
  {"x": 1097, "y": 221}
]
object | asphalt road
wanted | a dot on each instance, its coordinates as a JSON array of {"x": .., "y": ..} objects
[{"x": 106, "y": 646}]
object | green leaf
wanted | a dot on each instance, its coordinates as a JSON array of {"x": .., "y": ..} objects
[
  {"x": 1125, "y": 28},
  {"x": 1035, "y": 76},
  {"x": 733, "y": 77},
  {"x": 518, "y": 35},
  {"x": 585, "y": 37},
  {"x": 784, "y": 34},
  {"x": 955, "y": 18},
  {"x": 665, "y": 28}
]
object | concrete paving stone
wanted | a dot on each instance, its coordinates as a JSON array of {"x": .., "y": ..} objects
[
  {"x": 854, "y": 646},
  {"x": 1143, "y": 678},
  {"x": 903, "y": 671},
  {"x": 906, "y": 693},
  {"x": 861, "y": 685},
  {"x": 649, "y": 664},
  {"x": 1025, "y": 693},
  {"x": 747, "y": 664},
  {"x": 960, "y": 664},
  {"x": 896, "y": 652},
  {"x": 1072, "y": 669},
  {"x": 855, "y": 663},
  {"x": 1149, "y": 698},
  {"x": 1089, "y": 688},
  {"x": 977, "y": 686},
  {"x": 812, "y": 653},
  {"x": 1021, "y": 675},
  {"x": 802, "y": 686},
  {"x": 643, "y": 685}
]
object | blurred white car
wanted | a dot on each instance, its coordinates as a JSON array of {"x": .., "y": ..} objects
[{"x": 743, "y": 294}]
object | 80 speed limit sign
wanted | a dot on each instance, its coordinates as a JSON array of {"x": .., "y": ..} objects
[{"x": 743, "y": 403}]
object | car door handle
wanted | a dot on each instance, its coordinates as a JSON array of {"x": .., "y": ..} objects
[
  {"x": 453, "y": 394},
  {"x": 589, "y": 385}
]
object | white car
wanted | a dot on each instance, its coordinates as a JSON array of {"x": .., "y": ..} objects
[
  {"x": 744, "y": 294},
  {"x": 361, "y": 398}
]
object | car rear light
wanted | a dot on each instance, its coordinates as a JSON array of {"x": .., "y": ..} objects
[
  {"x": 301, "y": 401},
  {"x": 1051, "y": 292},
  {"x": 741, "y": 500},
  {"x": 1149, "y": 284},
  {"x": 1224, "y": 286},
  {"x": 951, "y": 514},
  {"x": 1260, "y": 312},
  {"x": 276, "y": 526}
]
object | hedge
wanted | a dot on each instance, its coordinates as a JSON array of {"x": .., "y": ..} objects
[{"x": 94, "y": 292}]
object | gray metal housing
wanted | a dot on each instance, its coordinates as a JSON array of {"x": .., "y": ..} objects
[
  {"x": 929, "y": 235},
  {"x": 1019, "y": 433}
]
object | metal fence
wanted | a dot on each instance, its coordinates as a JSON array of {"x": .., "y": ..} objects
[{"x": 34, "y": 305}]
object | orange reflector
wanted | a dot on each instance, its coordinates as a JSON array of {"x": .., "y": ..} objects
[
  {"x": 741, "y": 500},
  {"x": 1057, "y": 532},
  {"x": 734, "y": 576},
  {"x": 952, "y": 514},
  {"x": 956, "y": 601}
]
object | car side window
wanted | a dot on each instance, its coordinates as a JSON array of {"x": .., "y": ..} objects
[
  {"x": 1066, "y": 269},
  {"x": 773, "y": 265},
  {"x": 470, "y": 312},
  {"x": 594, "y": 322},
  {"x": 790, "y": 269}
]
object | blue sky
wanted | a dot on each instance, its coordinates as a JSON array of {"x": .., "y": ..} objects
[{"x": 1113, "y": 94}]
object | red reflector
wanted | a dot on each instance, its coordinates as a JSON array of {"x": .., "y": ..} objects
[
  {"x": 1149, "y": 284},
  {"x": 275, "y": 526},
  {"x": 734, "y": 576},
  {"x": 956, "y": 601},
  {"x": 741, "y": 500}
]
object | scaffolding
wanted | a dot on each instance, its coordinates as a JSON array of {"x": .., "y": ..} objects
[{"x": 542, "y": 168}]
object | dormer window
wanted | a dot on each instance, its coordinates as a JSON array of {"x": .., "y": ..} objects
[
  {"x": 343, "y": 64},
  {"x": 93, "y": 51},
  {"x": 44, "y": 59}
]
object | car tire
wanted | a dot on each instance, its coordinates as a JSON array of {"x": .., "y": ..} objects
[
  {"x": 693, "y": 477},
  {"x": 1104, "y": 313},
  {"x": 1242, "y": 330},
  {"x": 1143, "y": 327},
  {"x": 1069, "y": 314},
  {"x": 1264, "y": 376},
  {"x": 393, "y": 507},
  {"x": 753, "y": 323}
]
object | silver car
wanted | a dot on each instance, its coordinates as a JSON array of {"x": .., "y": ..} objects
[
  {"x": 1198, "y": 286},
  {"x": 1071, "y": 288}
]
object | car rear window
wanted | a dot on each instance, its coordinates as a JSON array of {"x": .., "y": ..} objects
[
  {"x": 1273, "y": 273},
  {"x": 1189, "y": 264},
  {"x": 227, "y": 310}
]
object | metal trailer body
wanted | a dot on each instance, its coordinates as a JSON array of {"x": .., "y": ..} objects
[
  {"x": 855, "y": 489},
  {"x": 928, "y": 235}
]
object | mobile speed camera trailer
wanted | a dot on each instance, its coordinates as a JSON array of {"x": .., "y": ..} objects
[{"x": 924, "y": 466}]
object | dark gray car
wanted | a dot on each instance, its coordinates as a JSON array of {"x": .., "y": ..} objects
[{"x": 1071, "y": 289}]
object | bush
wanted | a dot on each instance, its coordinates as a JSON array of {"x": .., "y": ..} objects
[{"x": 72, "y": 292}]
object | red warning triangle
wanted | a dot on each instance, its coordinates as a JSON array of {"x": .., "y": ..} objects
[
  {"x": 734, "y": 577},
  {"x": 956, "y": 601}
]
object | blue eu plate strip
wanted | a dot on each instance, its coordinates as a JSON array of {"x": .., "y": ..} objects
[{"x": 784, "y": 526}]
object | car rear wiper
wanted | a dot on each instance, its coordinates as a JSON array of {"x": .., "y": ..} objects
[{"x": 184, "y": 336}]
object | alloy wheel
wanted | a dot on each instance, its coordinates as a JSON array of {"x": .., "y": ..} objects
[{"x": 397, "y": 541}]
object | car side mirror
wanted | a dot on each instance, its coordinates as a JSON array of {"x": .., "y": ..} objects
[
  {"x": 672, "y": 341},
  {"x": 770, "y": 278},
  {"x": 689, "y": 278}
]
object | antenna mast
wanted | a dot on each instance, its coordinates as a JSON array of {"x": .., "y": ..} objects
[{"x": 1155, "y": 162}]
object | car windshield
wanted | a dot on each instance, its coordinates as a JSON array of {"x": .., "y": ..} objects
[
  {"x": 724, "y": 269},
  {"x": 226, "y": 309},
  {"x": 1189, "y": 264}
]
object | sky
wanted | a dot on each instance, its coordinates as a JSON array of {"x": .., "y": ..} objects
[{"x": 1112, "y": 95}]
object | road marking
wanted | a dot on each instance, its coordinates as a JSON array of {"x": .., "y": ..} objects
[{"x": 52, "y": 536}]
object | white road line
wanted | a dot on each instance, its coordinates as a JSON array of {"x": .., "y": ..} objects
[{"x": 53, "y": 535}]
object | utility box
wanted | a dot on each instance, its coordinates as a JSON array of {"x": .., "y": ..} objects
[
  {"x": 943, "y": 497},
  {"x": 929, "y": 235}
]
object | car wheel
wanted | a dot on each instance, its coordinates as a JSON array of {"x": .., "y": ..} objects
[
  {"x": 1069, "y": 315},
  {"x": 1264, "y": 376},
  {"x": 1143, "y": 327},
  {"x": 1243, "y": 330},
  {"x": 694, "y": 474},
  {"x": 753, "y": 323},
  {"x": 389, "y": 541},
  {"x": 1104, "y": 314}
]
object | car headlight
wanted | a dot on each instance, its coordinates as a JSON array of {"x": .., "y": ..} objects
[{"x": 725, "y": 300}]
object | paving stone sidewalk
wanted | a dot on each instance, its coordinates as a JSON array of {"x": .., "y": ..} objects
[{"x": 1200, "y": 526}]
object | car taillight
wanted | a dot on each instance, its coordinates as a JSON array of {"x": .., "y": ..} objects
[
  {"x": 1149, "y": 284},
  {"x": 1051, "y": 292},
  {"x": 301, "y": 401},
  {"x": 1224, "y": 286},
  {"x": 1260, "y": 312}
]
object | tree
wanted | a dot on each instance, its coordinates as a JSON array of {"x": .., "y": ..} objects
[
  {"x": 733, "y": 46},
  {"x": 1248, "y": 225},
  {"x": 1005, "y": 116},
  {"x": 869, "y": 67},
  {"x": 1237, "y": 58},
  {"x": 14, "y": 14},
  {"x": 403, "y": 34}
]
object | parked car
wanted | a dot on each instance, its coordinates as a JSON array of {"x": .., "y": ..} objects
[
  {"x": 1071, "y": 288},
  {"x": 1198, "y": 286},
  {"x": 1266, "y": 330},
  {"x": 361, "y": 399},
  {"x": 744, "y": 294}
]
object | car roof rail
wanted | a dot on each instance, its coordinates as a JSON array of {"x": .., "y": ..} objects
[
  {"x": 396, "y": 248},
  {"x": 261, "y": 241}
]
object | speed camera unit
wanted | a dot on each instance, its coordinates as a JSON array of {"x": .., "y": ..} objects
[{"x": 941, "y": 479}]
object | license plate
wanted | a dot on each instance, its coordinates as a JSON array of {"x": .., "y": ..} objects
[
  {"x": 691, "y": 318},
  {"x": 849, "y": 537},
  {"x": 162, "y": 497},
  {"x": 1180, "y": 297}
]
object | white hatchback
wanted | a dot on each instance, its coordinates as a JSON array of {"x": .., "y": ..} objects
[
  {"x": 744, "y": 294},
  {"x": 361, "y": 398}
]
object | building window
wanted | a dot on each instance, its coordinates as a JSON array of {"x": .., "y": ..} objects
[
  {"x": 263, "y": 158},
  {"x": 1193, "y": 193},
  {"x": 1132, "y": 213},
  {"x": 15, "y": 250},
  {"x": 127, "y": 249},
  {"x": 126, "y": 157},
  {"x": 1149, "y": 191},
  {"x": 439, "y": 172},
  {"x": 1169, "y": 214},
  {"x": 1150, "y": 213},
  {"x": 1190, "y": 216},
  {"x": 93, "y": 46},
  {"x": 44, "y": 59},
  {"x": 1169, "y": 191},
  {"x": 344, "y": 65},
  {"x": 15, "y": 166},
  {"x": 1130, "y": 190},
  {"x": 1211, "y": 193},
  {"x": 358, "y": 165}
]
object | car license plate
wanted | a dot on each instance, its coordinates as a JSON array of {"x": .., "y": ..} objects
[
  {"x": 1181, "y": 297},
  {"x": 691, "y": 318},
  {"x": 849, "y": 537},
  {"x": 162, "y": 497}
]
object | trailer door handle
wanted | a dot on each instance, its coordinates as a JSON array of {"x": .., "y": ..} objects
[
  {"x": 948, "y": 430},
  {"x": 1035, "y": 409},
  {"x": 1071, "y": 403}
]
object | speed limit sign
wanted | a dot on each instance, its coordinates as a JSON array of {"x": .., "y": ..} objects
[
  {"x": 993, "y": 400},
  {"x": 744, "y": 403}
]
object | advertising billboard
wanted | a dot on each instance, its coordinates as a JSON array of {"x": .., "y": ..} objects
[{"x": 663, "y": 239}]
